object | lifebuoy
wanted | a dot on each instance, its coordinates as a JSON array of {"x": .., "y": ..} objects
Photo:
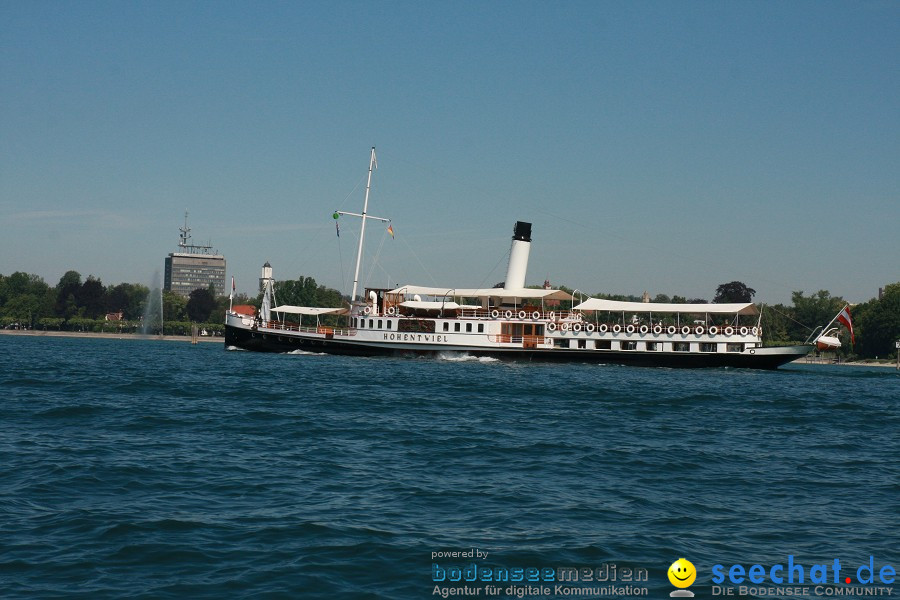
[
  {"x": 744, "y": 331},
  {"x": 604, "y": 328},
  {"x": 552, "y": 315},
  {"x": 523, "y": 315},
  {"x": 535, "y": 315},
  {"x": 576, "y": 327},
  {"x": 509, "y": 314},
  {"x": 629, "y": 329},
  {"x": 367, "y": 310},
  {"x": 617, "y": 328},
  {"x": 495, "y": 314},
  {"x": 589, "y": 327},
  {"x": 564, "y": 326},
  {"x": 699, "y": 330},
  {"x": 657, "y": 329},
  {"x": 685, "y": 330},
  {"x": 671, "y": 330},
  {"x": 755, "y": 331},
  {"x": 391, "y": 310},
  {"x": 644, "y": 329},
  {"x": 551, "y": 326},
  {"x": 713, "y": 330},
  {"x": 729, "y": 330}
]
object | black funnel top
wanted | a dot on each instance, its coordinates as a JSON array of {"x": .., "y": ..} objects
[{"x": 522, "y": 231}]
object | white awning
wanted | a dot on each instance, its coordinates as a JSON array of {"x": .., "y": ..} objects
[
  {"x": 411, "y": 290},
  {"x": 646, "y": 307},
  {"x": 425, "y": 305},
  {"x": 309, "y": 310}
]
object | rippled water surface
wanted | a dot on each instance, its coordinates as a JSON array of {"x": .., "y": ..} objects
[{"x": 147, "y": 469}]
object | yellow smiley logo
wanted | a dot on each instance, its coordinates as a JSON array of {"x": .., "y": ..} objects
[{"x": 682, "y": 573}]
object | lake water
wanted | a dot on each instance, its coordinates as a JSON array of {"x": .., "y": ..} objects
[{"x": 149, "y": 469}]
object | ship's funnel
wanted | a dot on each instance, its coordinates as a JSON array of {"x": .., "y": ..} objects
[{"x": 518, "y": 256}]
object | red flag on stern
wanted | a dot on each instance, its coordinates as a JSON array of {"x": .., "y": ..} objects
[{"x": 844, "y": 318}]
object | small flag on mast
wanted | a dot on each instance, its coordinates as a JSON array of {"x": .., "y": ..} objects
[
  {"x": 391, "y": 231},
  {"x": 844, "y": 318}
]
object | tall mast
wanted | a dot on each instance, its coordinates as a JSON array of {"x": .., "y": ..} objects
[
  {"x": 362, "y": 232},
  {"x": 362, "y": 229}
]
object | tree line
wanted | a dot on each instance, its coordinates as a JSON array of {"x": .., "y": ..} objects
[
  {"x": 77, "y": 304},
  {"x": 73, "y": 304}
]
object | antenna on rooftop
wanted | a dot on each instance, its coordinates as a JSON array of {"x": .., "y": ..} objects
[{"x": 185, "y": 232}]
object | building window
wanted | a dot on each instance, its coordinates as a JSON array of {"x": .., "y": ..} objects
[{"x": 681, "y": 347}]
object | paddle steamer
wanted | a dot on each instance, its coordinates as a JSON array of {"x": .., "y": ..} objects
[{"x": 510, "y": 322}]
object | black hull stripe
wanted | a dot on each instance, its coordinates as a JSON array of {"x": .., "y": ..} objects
[{"x": 276, "y": 342}]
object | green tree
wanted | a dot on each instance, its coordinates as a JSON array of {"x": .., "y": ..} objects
[
  {"x": 25, "y": 309},
  {"x": 91, "y": 298},
  {"x": 812, "y": 311},
  {"x": 128, "y": 298},
  {"x": 25, "y": 298},
  {"x": 734, "y": 291},
  {"x": 877, "y": 324},
  {"x": 67, "y": 291},
  {"x": 200, "y": 304},
  {"x": 174, "y": 307}
]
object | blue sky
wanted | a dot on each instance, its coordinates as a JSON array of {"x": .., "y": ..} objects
[{"x": 659, "y": 146}]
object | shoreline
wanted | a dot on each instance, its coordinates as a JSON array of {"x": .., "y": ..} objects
[
  {"x": 110, "y": 336},
  {"x": 850, "y": 363}
]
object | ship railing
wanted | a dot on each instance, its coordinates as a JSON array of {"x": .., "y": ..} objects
[
  {"x": 525, "y": 340},
  {"x": 320, "y": 329},
  {"x": 520, "y": 314},
  {"x": 656, "y": 330}
]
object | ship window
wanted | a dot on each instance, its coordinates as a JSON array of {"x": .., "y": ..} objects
[
  {"x": 707, "y": 347},
  {"x": 629, "y": 345},
  {"x": 734, "y": 348},
  {"x": 371, "y": 323},
  {"x": 652, "y": 346},
  {"x": 362, "y": 323},
  {"x": 446, "y": 326},
  {"x": 379, "y": 323},
  {"x": 416, "y": 325},
  {"x": 681, "y": 347},
  {"x": 481, "y": 328},
  {"x": 582, "y": 344},
  {"x": 468, "y": 328},
  {"x": 456, "y": 327},
  {"x": 604, "y": 345},
  {"x": 389, "y": 324}
]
